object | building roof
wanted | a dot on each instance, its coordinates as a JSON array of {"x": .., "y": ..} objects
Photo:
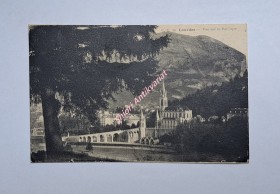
[{"x": 176, "y": 108}]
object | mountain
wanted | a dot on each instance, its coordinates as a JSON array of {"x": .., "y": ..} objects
[{"x": 192, "y": 63}]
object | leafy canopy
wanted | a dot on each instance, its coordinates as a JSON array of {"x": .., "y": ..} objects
[{"x": 84, "y": 65}]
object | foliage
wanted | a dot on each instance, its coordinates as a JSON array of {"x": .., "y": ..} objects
[
  {"x": 89, "y": 146},
  {"x": 217, "y": 100},
  {"x": 73, "y": 124},
  {"x": 84, "y": 67},
  {"x": 229, "y": 140},
  {"x": 78, "y": 68}
]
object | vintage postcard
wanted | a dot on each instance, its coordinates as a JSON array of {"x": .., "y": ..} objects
[{"x": 139, "y": 93}]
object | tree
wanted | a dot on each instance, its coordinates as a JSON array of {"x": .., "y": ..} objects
[
  {"x": 89, "y": 146},
  {"x": 77, "y": 68},
  {"x": 151, "y": 121},
  {"x": 72, "y": 123},
  {"x": 217, "y": 100}
]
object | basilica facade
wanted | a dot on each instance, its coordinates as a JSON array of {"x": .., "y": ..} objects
[
  {"x": 170, "y": 117},
  {"x": 167, "y": 119}
]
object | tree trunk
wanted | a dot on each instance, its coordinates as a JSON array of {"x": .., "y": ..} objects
[{"x": 50, "y": 113}]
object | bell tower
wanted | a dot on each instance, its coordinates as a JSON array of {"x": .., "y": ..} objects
[
  {"x": 157, "y": 120},
  {"x": 163, "y": 103},
  {"x": 142, "y": 126},
  {"x": 157, "y": 125}
]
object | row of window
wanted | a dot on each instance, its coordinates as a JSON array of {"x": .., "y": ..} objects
[
  {"x": 176, "y": 115},
  {"x": 237, "y": 111},
  {"x": 169, "y": 122}
]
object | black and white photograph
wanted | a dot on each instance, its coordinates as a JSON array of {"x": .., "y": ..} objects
[
  {"x": 139, "y": 97},
  {"x": 139, "y": 93}
]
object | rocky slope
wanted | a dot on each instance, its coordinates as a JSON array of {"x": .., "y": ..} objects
[{"x": 192, "y": 63}]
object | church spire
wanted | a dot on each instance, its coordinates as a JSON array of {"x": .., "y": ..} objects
[
  {"x": 141, "y": 113},
  {"x": 163, "y": 103},
  {"x": 157, "y": 119},
  {"x": 163, "y": 89},
  {"x": 157, "y": 115}
]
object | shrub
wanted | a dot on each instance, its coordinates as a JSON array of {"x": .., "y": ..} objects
[{"x": 89, "y": 146}]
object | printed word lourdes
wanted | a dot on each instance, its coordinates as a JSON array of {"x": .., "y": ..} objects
[{"x": 138, "y": 99}]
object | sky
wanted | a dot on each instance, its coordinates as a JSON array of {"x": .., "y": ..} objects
[{"x": 234, "y": 35}]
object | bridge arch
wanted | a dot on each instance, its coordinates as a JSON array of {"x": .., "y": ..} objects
[
  {"x": 88, "y": 139},
  {"x": 102, "y": 138},
  {"x": 147, "y": 141},
  {"x": 109, "y": 138},
  {"x": 116, "y": 137},
  {"x": 124, "y": 136},
  {"x": 84, "y": 139},
  {"x": 94, "y": 138}
]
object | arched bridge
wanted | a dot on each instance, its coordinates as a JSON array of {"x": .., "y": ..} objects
[
  {"x": 126, "y": 136},
  {"x": 148, "y": 141}
]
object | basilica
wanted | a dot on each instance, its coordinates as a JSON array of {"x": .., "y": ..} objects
[
  {"x": 167, "y": 118},
  {"x": 170, "y": 117}
]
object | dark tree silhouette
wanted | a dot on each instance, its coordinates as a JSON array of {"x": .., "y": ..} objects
[
  {"x": 77, "y": 68},
  {"x": 217, "y": 100}
]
